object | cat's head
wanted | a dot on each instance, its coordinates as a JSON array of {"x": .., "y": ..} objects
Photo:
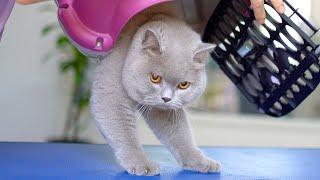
[{"x": 165, "y": 64}]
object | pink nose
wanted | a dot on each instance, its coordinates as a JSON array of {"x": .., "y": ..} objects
[{"x": 166, "y": 99}]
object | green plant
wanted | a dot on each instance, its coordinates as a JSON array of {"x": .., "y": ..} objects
[{"x": 71, "y": 60}]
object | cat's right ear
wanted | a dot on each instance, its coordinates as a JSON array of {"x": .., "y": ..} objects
[{"x": 151, "y": 43}]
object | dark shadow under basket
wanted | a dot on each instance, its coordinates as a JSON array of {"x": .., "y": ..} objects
[{"x": 275, "y": 65}]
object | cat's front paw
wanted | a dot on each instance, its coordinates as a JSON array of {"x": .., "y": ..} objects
[
  {"x": 140, "y": 166},
  {"x": 203, "y": 165},
  {"x": 149, "y": 168}
]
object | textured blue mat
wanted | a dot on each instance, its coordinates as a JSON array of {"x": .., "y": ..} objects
[{"x": 74, "y": 161}]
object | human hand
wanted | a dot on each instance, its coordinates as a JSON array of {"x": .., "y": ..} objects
[{"x": 259, "y": 11}]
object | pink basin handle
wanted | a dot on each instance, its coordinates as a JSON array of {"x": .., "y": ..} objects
[
  {"x": 6, "y": 7},
  {"x": 94, "y": 25}
]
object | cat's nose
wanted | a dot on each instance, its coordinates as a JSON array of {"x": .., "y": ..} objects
[{"x": 166, "y": 99}]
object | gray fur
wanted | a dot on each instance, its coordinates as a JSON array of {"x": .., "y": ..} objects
[{"x": 162, "y": 44}]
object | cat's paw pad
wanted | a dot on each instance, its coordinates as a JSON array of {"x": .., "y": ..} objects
[
  {"x": 205, "y": 165},
  {"x": 144, "y": 169}
]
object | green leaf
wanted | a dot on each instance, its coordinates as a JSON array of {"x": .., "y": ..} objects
[
  {"x": 48, "y": 28},
  {"x": 84, "y": 102},
  {"x": 65, "y": 66},
  {"x": 62, "y": 42}
]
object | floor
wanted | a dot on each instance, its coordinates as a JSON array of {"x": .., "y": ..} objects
[{"x": 78, "y": 161}]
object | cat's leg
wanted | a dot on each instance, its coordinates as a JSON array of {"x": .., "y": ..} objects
[
  {"x": 115, "y": 118},
  {"x": 173, "y": 130}
]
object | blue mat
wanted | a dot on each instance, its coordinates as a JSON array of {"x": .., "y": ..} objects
[{"x": 75, "y": 161}]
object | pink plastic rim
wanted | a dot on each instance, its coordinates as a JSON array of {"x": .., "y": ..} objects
[{"x": 95, "y": 25}]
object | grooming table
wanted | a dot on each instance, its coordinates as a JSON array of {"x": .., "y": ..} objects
[{"x": 77, "y": 161}]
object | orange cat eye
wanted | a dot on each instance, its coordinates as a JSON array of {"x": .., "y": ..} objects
[
  {"x": 155, "y": 78},
  {"x": 184, "y": 85}
]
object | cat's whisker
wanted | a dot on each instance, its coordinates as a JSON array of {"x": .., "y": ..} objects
[
  {"x": 149, "y": 99},
  {"x": 175, "y": 106},
  {"x": 136, "y": 107},
  {"x": 149, "y": 102},
  {"x": 170, "y": 112},
  {"x": 174, "y": 116},
  {"x": 138, "y": 114},
  {"x": 148, "y": 112},
  {"x": 173, "y": 111},
  {"x": 172, "y": 119},
  {"x": 178, "y": 102},
  {"x": 138, "y": 110},
  {"x": 144, "y": 107},
  {"x": 179, "y": 114}
]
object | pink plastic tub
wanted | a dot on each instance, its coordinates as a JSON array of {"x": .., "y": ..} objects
[
  {"x": 94, "y": 25},
  {"x": 6, "y": 7}
]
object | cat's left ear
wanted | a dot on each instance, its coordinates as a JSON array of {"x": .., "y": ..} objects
[{"x": 202, "y": 53}]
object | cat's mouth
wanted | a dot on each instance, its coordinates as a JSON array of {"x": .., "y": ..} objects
[{"x": 164, "y": 106}]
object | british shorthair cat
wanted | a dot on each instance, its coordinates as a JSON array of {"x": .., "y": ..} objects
[{"x": 156, "y": 68}]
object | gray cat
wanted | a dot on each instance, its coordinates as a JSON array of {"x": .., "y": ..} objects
[{"x": 156, "y": 68}]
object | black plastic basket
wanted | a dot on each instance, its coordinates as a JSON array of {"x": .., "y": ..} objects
[{"x": 275, "y": 65}]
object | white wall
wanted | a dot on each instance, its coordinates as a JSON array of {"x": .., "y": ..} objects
[
  {"x": 33, "y": 95},
  {"x": 315, "y": 11},
  {"x": 303, "y": 6}
]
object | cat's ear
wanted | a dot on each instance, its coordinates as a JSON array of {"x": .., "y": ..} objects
[
  {"x": 151, "y": 43},
  {"x": 202, "y": 53}
]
